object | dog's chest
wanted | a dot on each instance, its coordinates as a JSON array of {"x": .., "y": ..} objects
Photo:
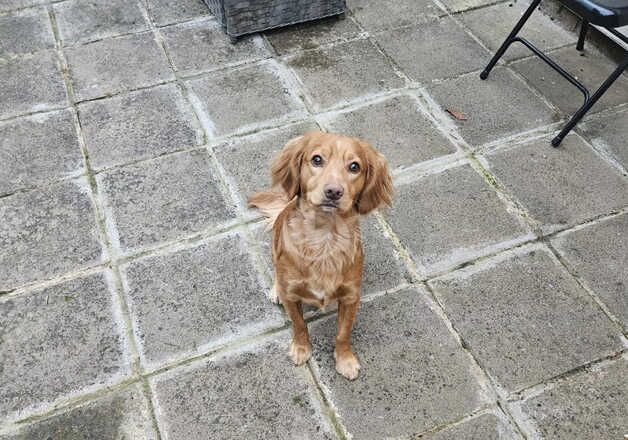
[{"x": 325, "y": 253}]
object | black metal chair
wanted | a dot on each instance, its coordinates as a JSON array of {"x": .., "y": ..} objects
[{"x": 604, "y": 14}]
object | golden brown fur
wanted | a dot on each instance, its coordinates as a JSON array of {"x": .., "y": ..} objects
[{"x": 322, "y": 183}]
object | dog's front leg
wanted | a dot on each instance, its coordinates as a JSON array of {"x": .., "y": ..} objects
[
  {"x": 346, "y": 362},
  {"x": 300, "y": 348}
]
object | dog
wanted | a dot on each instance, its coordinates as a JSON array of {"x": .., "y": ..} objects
[{"x": 322, "y": 183}]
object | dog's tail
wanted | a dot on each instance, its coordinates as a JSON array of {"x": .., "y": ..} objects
[{"x": 270, "y": 204}]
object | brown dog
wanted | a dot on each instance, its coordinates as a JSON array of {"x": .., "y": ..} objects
[{"x": 322, "y": 182}]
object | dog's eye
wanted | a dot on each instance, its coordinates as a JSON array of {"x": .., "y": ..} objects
[
  {"x": 317, "y": 161},
  {"x": 354, "y": 167}
]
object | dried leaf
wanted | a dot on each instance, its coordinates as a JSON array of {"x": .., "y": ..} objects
[{"x": 457, "y": 114}]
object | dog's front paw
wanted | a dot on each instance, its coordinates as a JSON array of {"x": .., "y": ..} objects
[
  {"x": 300, "y": 353},
  {"x": 347, "y": 364}
]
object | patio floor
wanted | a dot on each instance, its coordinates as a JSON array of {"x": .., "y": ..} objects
[{"x": 133, "y": 277}]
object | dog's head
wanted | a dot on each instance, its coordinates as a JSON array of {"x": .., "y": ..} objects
[{"x": 333, "y": 173}]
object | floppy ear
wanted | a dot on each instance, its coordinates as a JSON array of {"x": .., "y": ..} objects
[
  {"x": 286, "y": 168},
  {"x": 378, "y": 186}
]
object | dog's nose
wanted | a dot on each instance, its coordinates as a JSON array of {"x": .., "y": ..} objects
[{"x": 333, "y": 192}]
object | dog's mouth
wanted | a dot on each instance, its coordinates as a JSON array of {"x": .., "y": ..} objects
[{"x": 328, "y": 205}]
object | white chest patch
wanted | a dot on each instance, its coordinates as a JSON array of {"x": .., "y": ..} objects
[{"x": 318, "y": 293}]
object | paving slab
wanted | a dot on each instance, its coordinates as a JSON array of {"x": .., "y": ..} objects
[
  {"x": 56, "y": 341},
  {"x": 540, "y": 29},
  {"x": 119, "y": 415},
  {"x": 255, "y": 392},
  {"x": 201, "y": 46},
  {"x": 448, "y": 218},
  {"x": 336, "y": 75},
  {"x": 173, "y": 11},
  {"x": 376, "y": 15},
  {"x": 247, "y": 160},
  {"x": 190, "y": 300},
  {"x": 562, "y": 186},
  {"x": 80, "y": 21},
  {"x": 383, "y": 268},
  {"x": 591, "y": 69},
  {"x": 585, "y": 406},
  {"x": 311, "y": 34},
  {"x": 525, "y": 318},
  {"x": 115, "y": 65},
  {"x": 46, "y": 233},
  {"x": 38, "y": 149},
  {"x": 395, "y": 127},
  {"x": 162, "y": 199},
  {"x": 25, "y": 32},
  {"x": 464, "y": 5},
  {"x": 416, "y": 359},
  {"x": 138, "y": 125},
  {"x": 498, "y": 107},
  {"x": 9, "y": 5},
  {"x": 485, "y": 427},
  {"x": 446, "y": 50},
  {"x": 244, "y": 98},
  {"x": 609, "y": 134},
  {"x": 31, "y": 83},
  {"x": 598, "y": 253}
]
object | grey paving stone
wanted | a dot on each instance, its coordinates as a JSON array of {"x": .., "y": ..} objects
[
  {"x": 376, "y": 15},
  {"x": 591, "y": 69},
  {"x": 589, "y": 405},
  {"x": 247, "y": 160},
  {"x": 241, "y": 98},
  {"x": 539, "y": 29},
  {"x": 525, "y": 318},
  {"x": 38, "y": 149},
  {"x": 485, "y": 427},
  {"x": 120, "y": 415},
  {"x": 255, "y": 393},
  {"x": 500, "y": 106},
  {"x": 609, "y": 134},
  {"x": 463, "y": 5},
  {"x": 80, "y": 21},
  {"x": 56, "y": 341},
  {"x": 452, "y": 217},
  {"x": 560, "y": 187},
  {"x": 114, "y": 65},
  {"x": 187, "y": 301},
  {"x": 9, "y": 5},
  {"x": 417, "y": 356},
  {"x": 446, "y": 50},
  {"x": 599, "y": 253},
  {"x": 383, "y": 268},
  {"x": 202, "y": 45},
  {"x": 338, "y": 74},
  {"x": 312, "y": 34},
  {"x": 138, "y": 125},
  {"x": 25, "y": 31},
  {"x": 162, "y": 199},
  {"x": 173, "y": 11},
  {"x": 47, "y": 232},
  {"x": 31, "y": 83},
  {"x": 396, "y": 128}
]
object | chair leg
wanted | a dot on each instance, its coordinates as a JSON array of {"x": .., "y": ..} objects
[
  {"x": 590, "y": 102},
  {"x": 583, "y": 34},
  {"x": 502, "y": 49}
]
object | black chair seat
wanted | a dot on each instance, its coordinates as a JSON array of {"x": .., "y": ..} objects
[{"x": 605, "y": 13}]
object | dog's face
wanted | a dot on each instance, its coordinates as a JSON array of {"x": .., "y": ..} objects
[{"x": 333, "y": 173}]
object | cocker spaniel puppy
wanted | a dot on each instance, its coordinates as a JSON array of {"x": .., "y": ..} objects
[{"x": 322, "y": 183}]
